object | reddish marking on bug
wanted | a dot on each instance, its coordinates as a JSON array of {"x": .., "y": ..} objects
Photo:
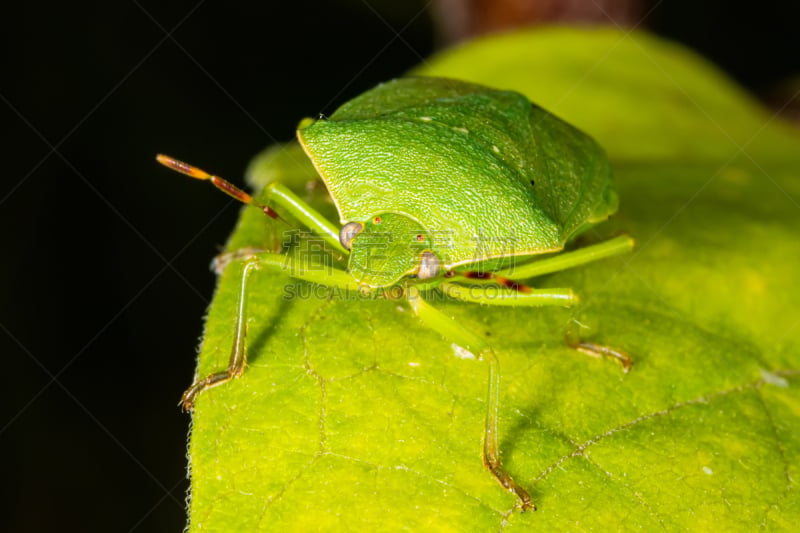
[
  {"x": 478, "y": 275},
  {"x": 420, "y": 237},
  {"x": 376, "y": 220},
  {"x": 511, "y": 284},
  {"x": 270, "y": 212},
  {"x": 505, "y": 282}
]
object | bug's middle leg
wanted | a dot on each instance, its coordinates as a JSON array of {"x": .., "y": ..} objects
[
  {"x": 502, "y": 296},
  {"x": 515, "y": 294},
  {"x": 450, "y": 329}
]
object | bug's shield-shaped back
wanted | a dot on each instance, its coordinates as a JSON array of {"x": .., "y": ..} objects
[{"x": 475, "y": 163}]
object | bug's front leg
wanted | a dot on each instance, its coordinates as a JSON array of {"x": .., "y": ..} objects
[
  {"x": 491, "y": 446},
  {"x": 238, "y": 358},
  {"x": 331, "y": 277},
  {"x": 450, "y": 329},
  {"x": 222, "y": 260}
]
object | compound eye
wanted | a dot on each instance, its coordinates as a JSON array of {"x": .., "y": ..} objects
[
  {"x": 428, "y": 265},
  {"x": 348, "y": 233}
]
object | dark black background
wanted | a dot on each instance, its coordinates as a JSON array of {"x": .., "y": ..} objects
[{"x": 105, "y": 254}]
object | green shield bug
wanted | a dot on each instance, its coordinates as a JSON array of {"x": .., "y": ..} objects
[{"x": 437, "y": 183}]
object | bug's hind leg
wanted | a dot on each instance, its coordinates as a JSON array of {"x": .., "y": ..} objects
[
  {"x": 564, "y": 260},
  {"x": 598, "y": 351}
]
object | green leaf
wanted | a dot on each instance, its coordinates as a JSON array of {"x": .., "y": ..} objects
[{"x": 352, "y": 416}]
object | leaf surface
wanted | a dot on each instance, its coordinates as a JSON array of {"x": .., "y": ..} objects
[{"x": 352, "y": 416}]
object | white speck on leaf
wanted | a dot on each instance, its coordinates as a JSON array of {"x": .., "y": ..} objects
[
  {"x": 774, "y": 379},
  {"x": 707, "y": 470},
  {"x": 462, "y": 353}
]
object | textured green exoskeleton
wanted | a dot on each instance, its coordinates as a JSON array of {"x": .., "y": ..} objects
[
  {"x": 484, "y": 172},
  {"x": 438, "y": 182}
]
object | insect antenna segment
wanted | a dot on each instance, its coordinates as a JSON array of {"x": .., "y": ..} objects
[{"x": 220, "y": 183}]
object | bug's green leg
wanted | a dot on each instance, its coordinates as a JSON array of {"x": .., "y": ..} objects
[
  {"x": 279, "y": 194},
  {"x": 300, "y": 210},
  {"x": 502, "y": 296},
  {"x": 305, "y": 214},
  {"x": 221, "y": 261},
  {"x": 562, "y": 261},
  {"x": 450, "y": 329},
  {"x": 616, "y": 246},
  {"x": 581, "y": 256},
  {"x": 254, "y": 260},
  {"x": 492, "y": 295},
  {"x": 236, "y": 364},
  {"x": 238, "y": 358},
  {"x": 599, "y": 351}
]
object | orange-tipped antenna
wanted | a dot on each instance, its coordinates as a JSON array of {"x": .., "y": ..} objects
[
  {"x": 222, "y": 184},
  {"x": 183, "y": 168}
]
